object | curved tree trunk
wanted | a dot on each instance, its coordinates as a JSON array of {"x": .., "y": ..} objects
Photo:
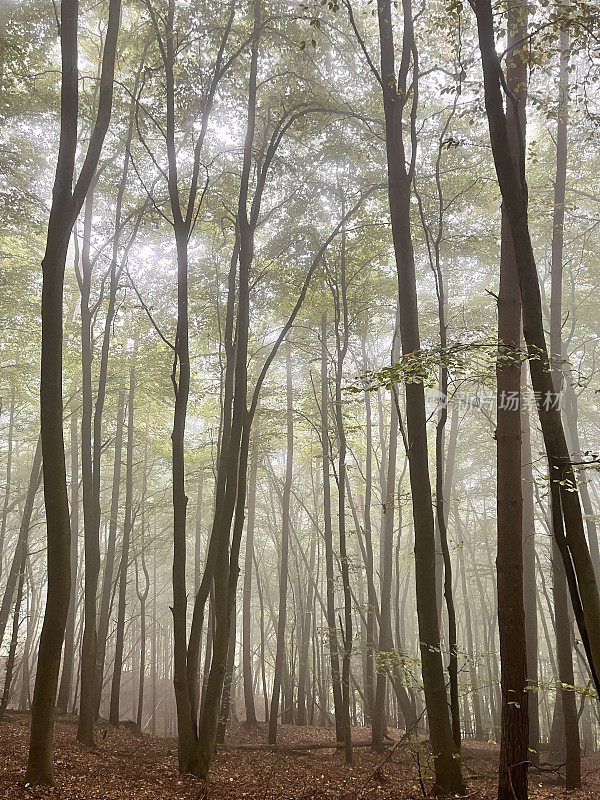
[
  {"x": 573, "y": 546},
  {"x": 66, "y": 204}
]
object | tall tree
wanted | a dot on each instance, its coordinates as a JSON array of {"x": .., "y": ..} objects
[
  {"x": 115, "y": 694},
  {"x": 564, "y": 648},
  {"x": 401, "y": 168},
  {"x": 67, "y": 200},
  {"x": 514, "y": 731},
  {"x": 573, "y": 546}
]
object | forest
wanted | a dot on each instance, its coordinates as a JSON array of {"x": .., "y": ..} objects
[{"x": 299, "y": 405}]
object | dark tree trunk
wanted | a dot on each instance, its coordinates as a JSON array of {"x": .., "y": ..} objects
[
  {"x": 447, "y": 764},
  {"x": 332, "y": 637},
  {"x": 247, "y": 594},
  {"x": 66, "y": 204},
  {"x": 573, "y": 546},
  {"x": 514, "y": 731}
]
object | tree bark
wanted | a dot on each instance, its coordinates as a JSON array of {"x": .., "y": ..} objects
[
  {"x": 448, "y": 772},
  {"x": 66, "y": 204},
  {"x": 573, "y": 546},
  {"x": 514, "y": 730}
]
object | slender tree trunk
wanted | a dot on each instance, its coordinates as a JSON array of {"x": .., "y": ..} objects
[
  {"x": 384, "y": 667},
  {"x": 342, "y": 339},
  {"x": 328, "y": 537},
  {"x": 115, "y": 694},
  {"x": 22, "y": 540},
  {"x": 142, "y": 593},
  {"x": 198, "y": 534},
  {"x": 447, "y": 764},
  {"x": 247, "y": 592},
  {"x": 12, "y": 650},
  {"x": 66, "y": 204},
  {"x": 564, "y": 650},
  {"x": 285, "y": 544},
  {"x": 514, "y": 732},
  {"x": 109, "y": 558},
  {"x": 94, "y": 673},
  {"x": 8, "y": 486},
  {"x": 66, "y": 679},
  {"x": 371, "y": 593},
  {"x": 91, "y": 509},
  {"x": 228, "y": 679},
  {"x": 529, "y": 583},
  {"x": 573, "y": 546},
  {"x": 306, "y": 627},
  {"x": 478, "y": 732}
]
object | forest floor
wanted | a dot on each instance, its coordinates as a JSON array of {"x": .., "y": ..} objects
[{"x": 132, "y": 766}]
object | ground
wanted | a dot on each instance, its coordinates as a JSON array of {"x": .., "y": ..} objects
[{"x": 133, "y": 767}]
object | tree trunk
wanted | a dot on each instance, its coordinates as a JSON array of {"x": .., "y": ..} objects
[
  {"x": 530, "y": 583},
  {"x": 109, "y": 558},
  {"x": 285, "y": 544},
  {"x": 66, "y": 678},
  {"x": 66, "y": 204},
  {"x": 247, "y": 593},
  {"x": 115, "y": 694},
  {"x": 573, "y": 546},
  {"x": 479, "y": 733},
  {"x": 7, "y": 487},
  {"x": 369, "y": 565},
  {"x": 12, "y": 650},
  {"x": 142, "y": 593},
  {"x": 305, "y": 633},
  {"x": 22, "y": 539},
  {"x": 342, "y": 334},
  {"x": 328, "y": 537},
  {"x": 447, "y": 764},
  {"x": 384, "y": 651},
  {"x": 91, "y": 505},
  {"x": 564, "y": 649},
  {"x": 514, "y": 731}
]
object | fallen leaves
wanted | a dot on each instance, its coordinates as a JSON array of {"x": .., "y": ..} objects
[{"x": 125, "y": 766}]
